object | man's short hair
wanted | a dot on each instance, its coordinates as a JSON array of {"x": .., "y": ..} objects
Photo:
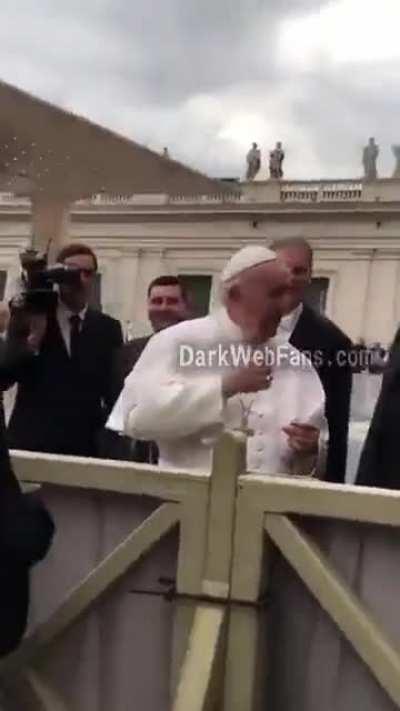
[
  {"x": 74, "y": 250},
  {"x": 168, "y": 281},
  {"x": 288, "y": 242}
]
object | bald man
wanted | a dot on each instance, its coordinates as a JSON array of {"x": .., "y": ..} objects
[{"x": 226, "y": 371}]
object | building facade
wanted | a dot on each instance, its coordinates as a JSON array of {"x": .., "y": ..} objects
[{"x": 353, "y": 226}]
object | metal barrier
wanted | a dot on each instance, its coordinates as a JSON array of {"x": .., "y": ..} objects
[{"x": 227, "y": 524}]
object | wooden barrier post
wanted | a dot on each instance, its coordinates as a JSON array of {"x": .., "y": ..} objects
[
  {"x": 201, "y": 679},
  {"x": 245, "y": 648}
]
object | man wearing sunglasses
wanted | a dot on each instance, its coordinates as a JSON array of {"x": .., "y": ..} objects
[{"x": 64, "y": 389}]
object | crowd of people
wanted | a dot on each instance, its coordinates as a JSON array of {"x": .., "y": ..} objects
[{"x": 264, "y": 362}]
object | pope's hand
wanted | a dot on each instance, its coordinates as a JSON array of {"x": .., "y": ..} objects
[
  {"x": 302, "y": 437},
  {"x": 247, "y": 380}
]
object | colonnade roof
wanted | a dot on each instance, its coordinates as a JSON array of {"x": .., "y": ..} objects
[{"x": 45, "y": 149}]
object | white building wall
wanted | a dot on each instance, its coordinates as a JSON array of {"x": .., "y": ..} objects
[
  {"x": 380, "y": 299},
  {"x": 348, "y": 309},
  {"x": 360, "y": 258}
]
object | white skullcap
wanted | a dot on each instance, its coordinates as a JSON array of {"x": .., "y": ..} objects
[{"x": 248, "y": 257}]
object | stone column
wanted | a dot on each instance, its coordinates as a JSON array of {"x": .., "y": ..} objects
[
  {"x": 129, "y": 270},
  {"x": 50, "y": 221},
  {"x": 380, "y": 308},
  {"x": 349, "y": 298}
]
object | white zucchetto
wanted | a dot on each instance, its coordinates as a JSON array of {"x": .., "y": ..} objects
[{"x": 245, "y": 258}]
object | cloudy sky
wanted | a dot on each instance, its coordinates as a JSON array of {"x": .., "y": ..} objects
[{"x": 207, "y": 77}]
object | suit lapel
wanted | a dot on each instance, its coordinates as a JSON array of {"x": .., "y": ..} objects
[{"x": 87, "y": 333}]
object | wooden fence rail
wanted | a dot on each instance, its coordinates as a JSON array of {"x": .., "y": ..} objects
[{"x": 228, "y": 523}]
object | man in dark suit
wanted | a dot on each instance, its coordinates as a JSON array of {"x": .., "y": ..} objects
[
  {"x": 26, "y": 529},
  {"x": 327, "y": 346},
  {"x": 167, "y": 304},
  {"x": 64, "y": 391},
  {"x": 379, "y": 462}
]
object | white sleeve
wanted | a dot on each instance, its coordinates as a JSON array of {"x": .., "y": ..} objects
[
  {"x": 160, "y": 402},
  {"x": 312, "y": 464},
  {"x": 320, "y": 466},
  {"x": 313, "y": 397}
]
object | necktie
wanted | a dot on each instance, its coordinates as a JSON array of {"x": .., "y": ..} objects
[{"x": 76, "y": 324}]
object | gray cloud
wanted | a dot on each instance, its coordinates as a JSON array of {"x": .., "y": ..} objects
[
  {"x": 339, "y": 111},
  {"x": 204, "y": 78}
]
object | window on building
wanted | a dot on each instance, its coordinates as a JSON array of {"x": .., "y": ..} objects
[
  {"x": 3, "y": 281},
  {"x": 199, "y": 289},
  {"x": 95, "y": 301},
  {"x": 316, "y": 294}
]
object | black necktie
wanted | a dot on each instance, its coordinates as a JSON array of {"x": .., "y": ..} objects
[{"x": 76, "y": 323}]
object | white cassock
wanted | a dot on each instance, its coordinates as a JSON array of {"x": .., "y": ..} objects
[{"x": 184, "y": 411}]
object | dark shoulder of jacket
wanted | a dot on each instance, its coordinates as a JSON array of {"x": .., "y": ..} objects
[
  {"x": 103, "y": 318},
  {"x": 135, "y": 348},
  {"x": 111, "y": 324},
  {"x": 330, "y": 330}
]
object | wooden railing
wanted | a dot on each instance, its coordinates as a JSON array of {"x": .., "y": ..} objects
[
  {"x": 264, "y": 513},
  {"x": 184, "y": 500},
  {"x": 228, "y": 522}
]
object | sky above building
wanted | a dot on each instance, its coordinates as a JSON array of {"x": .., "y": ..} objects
[{"x": 208, "y": 77}]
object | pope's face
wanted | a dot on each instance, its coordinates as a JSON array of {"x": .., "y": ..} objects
[{"x": 260, "y": 301}]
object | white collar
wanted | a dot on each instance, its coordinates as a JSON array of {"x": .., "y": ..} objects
[{"x": 289, "y": 322}]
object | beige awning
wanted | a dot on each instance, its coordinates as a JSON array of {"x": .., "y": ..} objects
[{"x": 44, "y": 149}]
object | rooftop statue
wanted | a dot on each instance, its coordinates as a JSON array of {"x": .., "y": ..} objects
[
  {"x": 276, "y": 158},
  {"x": 396, "y": 153},
  {"x": 370, "y": 156},
  {"x": 253, "y": 160}
]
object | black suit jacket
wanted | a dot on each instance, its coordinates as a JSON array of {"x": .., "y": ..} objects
[
  {"x": 14, "y": 575},
  {"x": 379, "y": 462},
  {"x": 26, "y": 529},
  {"x": 62, "y": 403},
  {"x": 115, "y": 446},
  {"x": 320, "y": 338},
  {"x": 125, "y": 358}
]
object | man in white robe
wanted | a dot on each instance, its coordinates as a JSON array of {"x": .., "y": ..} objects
[{"x": 176, "y": 396}]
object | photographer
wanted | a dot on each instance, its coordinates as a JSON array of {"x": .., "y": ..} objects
[{"x": 64, "y": 389}]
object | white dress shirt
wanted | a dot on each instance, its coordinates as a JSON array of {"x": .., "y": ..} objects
[
  {"x": 289, "y": 322},
  {"x": 64, "y": 321}
]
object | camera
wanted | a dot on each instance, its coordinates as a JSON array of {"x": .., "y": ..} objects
[{"x": 38, "y": 295}]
